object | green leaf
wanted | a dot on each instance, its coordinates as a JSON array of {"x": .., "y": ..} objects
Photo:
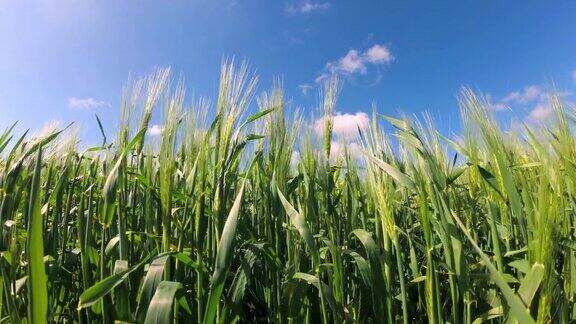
[
  {"x": 400, "y": 177},
  {"x": 109, "y": 189},
  {"x": 187, "y": 260},
  {"x": 313, "y": 280},
  {"x": 258, "y": 115},
  {"x": 530, "y": 283},
  {"x": 378, "y": 288},
  {"x": 491, "y": 314},
  {"x": 161, "y": 309},
  {"x": 105, "y": 286},
  {"x": 120, "y": 293},
  {"x": 224, "y": 257},
  {"x": 517, "y": 307},
  {"x": 300, "y": 223},
  {"x": 521, "y": 264},
  {"x": 6, "y": 137},
  {"x": 37, "y": 287},
  {"x": 363, "y": 267},
  {"x": 151, "y": 280},
  {"x": 238, "y": 287},
  {"x": 489, "y": 178},
  {"x": 398, "y": 123},
  {"x": 101, "y": 129}
]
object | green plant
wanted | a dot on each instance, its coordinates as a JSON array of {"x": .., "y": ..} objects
[{"x": 235, "y": 215}]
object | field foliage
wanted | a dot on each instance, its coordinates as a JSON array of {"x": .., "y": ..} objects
[{"x": 218, "y": 220}]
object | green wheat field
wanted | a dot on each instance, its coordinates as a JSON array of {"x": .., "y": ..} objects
[{"x": 217, "y": 221}]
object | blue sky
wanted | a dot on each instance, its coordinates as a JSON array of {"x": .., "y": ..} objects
[{"x": 66, "y": 60}]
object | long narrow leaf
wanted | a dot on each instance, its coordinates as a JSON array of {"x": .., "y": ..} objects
[{"x": 37, "y": 286}]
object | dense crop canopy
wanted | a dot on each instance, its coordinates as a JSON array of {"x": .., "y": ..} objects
[{"x": 240, "y": 214}]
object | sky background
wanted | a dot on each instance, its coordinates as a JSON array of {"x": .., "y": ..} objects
[{"x": 67, "y": 60}]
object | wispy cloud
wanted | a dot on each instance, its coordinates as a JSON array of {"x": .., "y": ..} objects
[
  {"x": 540, "y": 112},
  {"x": 86, "y": 103},
  {"x": 306, "y": 7},
  {"x": 155, "y": 130},
  {"x": 232, "y": 4},
  {"x": 304, "y": 88},
  {"x": 574, "y": 76},
  {"x": 527, "y": 95},
  {"x": 357, "y": 62},
  {"x": 533, "y": 98}
]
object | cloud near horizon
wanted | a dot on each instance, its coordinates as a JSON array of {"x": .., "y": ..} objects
[
  {"x": 86, "y": 103},
  {"x": 345, "y": 126},
  {"x": 339, "y": 148},
  {"x": 532, "y": 97},
  {"x": 540, "y": 112},
  {"x": 155, "y": 130},
  {"x": 344, "y": 132},
  {"x": 528, "y": 94}
]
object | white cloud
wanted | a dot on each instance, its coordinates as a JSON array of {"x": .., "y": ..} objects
[
  {"x": 86, "y": 103},
  {"x": 533, "y": 98},
  {"x": 351, "y": 63},
  {"x": 155, "y": 130},
  {"x": 321, "y": 77},
  {"x": 305, "y": 88},
  {"x": 540, "y": 112},
  {"x": 295, "y": 158},
  {"x": 527, "y": 95},
  {"x": 379, "y": 54},
  {"x": 499, "y": 106},
  {"x": 574, "y": 76},
  {"x": 307, "y": 7},
  {"x": 345, "y": 126},
  {"x": 344, "y": 133},
  {"x": 338, "y": 148},
  {"x": 357, "y": 62}
]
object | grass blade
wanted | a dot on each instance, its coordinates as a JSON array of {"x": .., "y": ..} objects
[
  {"x": 517, "y": 307},
  {"x": 223, "y": 258},
  {"x": 161, "y": 309},
  {"x": 105, "y": 286},
  {"x": 37, "y": 286}
]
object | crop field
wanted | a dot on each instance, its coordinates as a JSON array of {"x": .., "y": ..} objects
[{"x": 218, "y": 220}]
